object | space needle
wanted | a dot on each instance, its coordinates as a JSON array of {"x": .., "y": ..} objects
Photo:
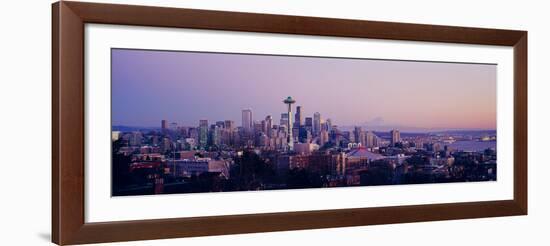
[{"x": 289, "y": 139}]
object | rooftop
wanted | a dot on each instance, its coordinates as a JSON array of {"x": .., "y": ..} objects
[{"x": 364, "y": 153}]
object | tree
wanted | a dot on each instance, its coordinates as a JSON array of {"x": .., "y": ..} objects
[
  {"x": 251, "y": 171},
  {"x": 378, "y": 173},
  {"x": 417, "y": 160},
  {"x": 298, "y": 178},
  {"x": 120, "y": 168}
]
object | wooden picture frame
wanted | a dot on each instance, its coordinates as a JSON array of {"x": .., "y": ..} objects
[{"x": 68, "y": 223}]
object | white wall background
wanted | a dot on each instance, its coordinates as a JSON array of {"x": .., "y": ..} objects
[{"x": 25, "y": 122}]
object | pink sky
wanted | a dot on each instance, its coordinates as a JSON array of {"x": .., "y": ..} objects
[{"x": 184, "y": 87}]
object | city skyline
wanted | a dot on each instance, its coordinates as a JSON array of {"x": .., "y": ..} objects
[
  {"x": 236, "y": 122},
  {"x": 185, "y": 87}
]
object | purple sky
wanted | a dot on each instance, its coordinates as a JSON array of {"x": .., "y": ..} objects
[{"x": 183, "y": 87}]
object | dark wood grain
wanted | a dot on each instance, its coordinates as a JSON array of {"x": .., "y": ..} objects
[
  {"x": 520, "y": 122},
  {"x": 55, "y": 123},
  {"x": 68, "y": 224},
  {"x": 68, "y": 122},
  {"x": 250, "y": 22},
  {"x": 206, "y": 226}
]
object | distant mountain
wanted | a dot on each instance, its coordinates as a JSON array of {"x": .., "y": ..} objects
[
  {"x": 418, "y": 130},
  {"x": 379, "y": 125},
  {"x": 386, "y": 134}
]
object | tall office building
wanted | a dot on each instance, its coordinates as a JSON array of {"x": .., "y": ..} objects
[
  {"x": 247, "y": 120},
  {"x": 395, "y": 136},
  {"x": 360, "y": 136},
  {"x": 194, "y": 134},
  {"x": 229, "y": 125},
  {"x": 305, "y": 131},
  {"x": 228, "y": 133},
  {"x": 215, "y": 135},
  {"x": 284, "y": 120},
  {"x": 257, "y": 127},
  {"x": 289, "y": 139},
  {"x": 357, "y": 134},
  {"x": 316, "y": 123},
  {"x": 309, "y": 122},
  {"x": 371, "y": 140},
  {"x": 163, "y": 125},
  {"x": 350, "y": 136},
  {"x": 220, "y": 124},
  {"x": 298, "y": 121},
  {"x": 268, "y": 125},
  {"x": 323, "y": 137},
  {"x": 203, "y": 133},
  {"x": 328, "y": 125}
]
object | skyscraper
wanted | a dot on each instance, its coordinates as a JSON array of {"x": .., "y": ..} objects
[
  {"x": 214, "y": 137},
  {"x": 229, "y": 125},
  {"x": 323, "y": 137},
  {"x": 298, "y": 122},
  {"x": 357, "y": 134},
  {"x": 371, "y": 140},
  {"x": 316, "y": 123},
  {"x": 360, "y": 136},
  {"x": 350, "y": 136},
  {"x": 395, "y": 136},
  {"x": 304, "y": 132},
  {"x": 268, "y": 125},
  {"x": 203, "y": 133},
  {"x": 228, "y": 134},
  {"x": 247, "y": 120},
  {"x": 328, "y": 124},
  {"x": 163, "y": 126},
  {"x": 309, "y": 122},
  {"x": 220, "y": 124},
  {"x": 284, "y": 120},
  {"x": 289, "y": 139}
]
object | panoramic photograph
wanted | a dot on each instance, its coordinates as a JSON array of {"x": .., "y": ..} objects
[{"x": 196, "y": 122}]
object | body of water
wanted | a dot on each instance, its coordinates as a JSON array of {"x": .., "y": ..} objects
[{"x": 473, "y": 145}]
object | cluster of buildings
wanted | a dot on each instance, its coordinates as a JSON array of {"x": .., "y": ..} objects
[
  {"x": 339, "y": 157},
  {"x": 293, "y": 132}
]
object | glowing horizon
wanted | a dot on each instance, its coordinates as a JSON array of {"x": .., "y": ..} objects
[{"x": 184, "y": 87}]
